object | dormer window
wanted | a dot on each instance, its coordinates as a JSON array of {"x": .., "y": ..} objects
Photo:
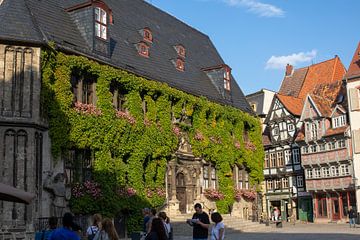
[
  {"x": 227, "y": 78},
  {"x": 143, "y": 49},
  {"x": 180, "y": 65},
  {"x": 180, "y": 51},
  {"x": 147, "y": 35},
  {"x": 100, "y": 23},
  {"x": 339, "y": 121}
]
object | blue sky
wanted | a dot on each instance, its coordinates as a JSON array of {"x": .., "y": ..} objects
[{"x": 256, "y": 38}]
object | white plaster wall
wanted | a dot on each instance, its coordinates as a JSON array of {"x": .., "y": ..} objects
[{"x": 354, "y": 118}]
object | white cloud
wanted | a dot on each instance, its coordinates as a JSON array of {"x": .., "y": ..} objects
[
  {"x": 259, "y": 8},
  {"x": 279, "y": 62}
]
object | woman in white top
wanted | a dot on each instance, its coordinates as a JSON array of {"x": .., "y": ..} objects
[
  {"x": 94, "y": 228},
  {"x": 218, "y": 230}
]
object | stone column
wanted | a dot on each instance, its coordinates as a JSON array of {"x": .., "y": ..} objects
[{"x": 173, "y": 207}]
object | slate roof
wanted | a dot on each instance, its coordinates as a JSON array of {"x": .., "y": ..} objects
[
  {"x": 354, "y": 68},
  {"x": 44, "y": 21}
]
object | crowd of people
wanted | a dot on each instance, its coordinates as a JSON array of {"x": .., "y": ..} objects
[{"x": 156, "y": 226}]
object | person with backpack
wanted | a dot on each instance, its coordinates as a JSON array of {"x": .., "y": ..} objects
[
  {"x": 107, "y": 232},
  {"x": 167, "y": 225},
  {"x": 94, "y": 228}
]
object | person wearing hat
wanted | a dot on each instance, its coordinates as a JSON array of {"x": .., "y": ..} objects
[
  {"x": 65, "y": 232},
  {"x": 200, "y": 223}
]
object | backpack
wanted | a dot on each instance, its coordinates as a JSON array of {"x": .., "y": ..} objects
[{"x": 92, "y": 235}]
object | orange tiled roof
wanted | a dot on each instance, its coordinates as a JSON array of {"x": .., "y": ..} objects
[
  {"x": 293, "y": 105},
  {"x": 354, "y": 68},
  {"x": 325, "y": 95},
  {"x": 322, "y": 73},
  {"x": 335, "y": 131}
]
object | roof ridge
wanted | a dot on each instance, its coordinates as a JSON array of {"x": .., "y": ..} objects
[
  {"x": 37, "y": 26},
  {"x": 331, "y": 59},
  {"x": 182, "y": 22}
]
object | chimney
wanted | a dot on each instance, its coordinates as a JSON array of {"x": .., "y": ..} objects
[{"x": 289, "y": 70}]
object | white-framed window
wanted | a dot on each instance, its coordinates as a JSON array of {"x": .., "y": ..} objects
[
  {"x": 100, "y": 23},
  {"x": 341, "y": 143},
  {"x": 275, "y": 131},
  {"x": 305, "y": 149},
  {"x": 344, "y": 170},
  {"x": 291, "y": 127},
  {"x": 206, "y": 177},
  {"x": 322, "y": 147},
  {"x": 300, "y": 181},
  {"x": 339, "y": 121},
  {"x": 317, "y": 173},
  {"x": 277, "y": 184},
  {"x": 280, "y": 159},
  {"x": 334, "y": 171},
  {"x": 325, "y": 171},
  {"x": 309, "y": 173},
  {"x": 313, "y": 148},
  {"x": 287, "y": 157},
  {"x": 272, "y": 159},
  {"x": 296, "y": 155},
  {"x": 314, "y": 130},
  {"x": 213, "y": 178},
  {"x": 285, "y": 183},
  {"x": 267, "y": 161}
]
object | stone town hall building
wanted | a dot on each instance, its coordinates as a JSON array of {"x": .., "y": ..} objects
[{"x": 127, "y": 34}]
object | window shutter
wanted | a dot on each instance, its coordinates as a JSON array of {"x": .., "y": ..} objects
[
  {"x": 354, "y": 99},
  {"x": 356, "y": 139}
]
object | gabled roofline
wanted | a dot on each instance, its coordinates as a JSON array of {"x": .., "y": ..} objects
[
  {"x": 337, "y": 107},
  {"x": 308, "y": 97}
]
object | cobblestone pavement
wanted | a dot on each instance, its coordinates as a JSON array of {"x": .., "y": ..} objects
[{"x": 299, "y": 232}]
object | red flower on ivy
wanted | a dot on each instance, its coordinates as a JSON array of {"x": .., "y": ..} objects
[
  {"x": 87, "y": 109},
  {"x": 213, "y": 194},
  {"x": 126, "y": 116}
]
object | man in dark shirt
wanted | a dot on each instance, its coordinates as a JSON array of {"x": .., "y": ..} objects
[
  {"x": 200, "y": 222},
  {"x": 352, "y": 217},
  {"x": 66, "y": 232}
]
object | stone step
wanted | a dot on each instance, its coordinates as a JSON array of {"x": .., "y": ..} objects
[{"x": 232, "y": 225}]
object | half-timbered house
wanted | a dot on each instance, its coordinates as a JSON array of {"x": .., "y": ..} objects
[
  {"x": 326, "y": 154},
  {"x": 284, "y": 176}
]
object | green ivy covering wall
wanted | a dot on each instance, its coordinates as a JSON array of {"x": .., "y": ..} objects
[{"x": 134, "y": 154}]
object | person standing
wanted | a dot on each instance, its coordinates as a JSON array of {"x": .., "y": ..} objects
[
  {"x": 352, "y": 216},
  {"x": 107, "y": 232},
  {"x": 157, "y": 231},
  {"x": 95, "y": 227},
  {"x": 200, "y": 223},
  {"x": 218, "y": 230},
  {"x": 66, "y": 231},
  {"x": 167, "y": 225}
]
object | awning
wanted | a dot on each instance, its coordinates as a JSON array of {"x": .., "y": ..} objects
[{"x": 11, "y": 194}]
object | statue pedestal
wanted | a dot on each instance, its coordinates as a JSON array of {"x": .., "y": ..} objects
[{"x": 173, "y": 207}]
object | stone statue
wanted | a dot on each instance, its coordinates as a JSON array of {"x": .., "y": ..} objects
[
  {"x": 184, "y": 145},
  {"x": 56, "y": 186}
]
